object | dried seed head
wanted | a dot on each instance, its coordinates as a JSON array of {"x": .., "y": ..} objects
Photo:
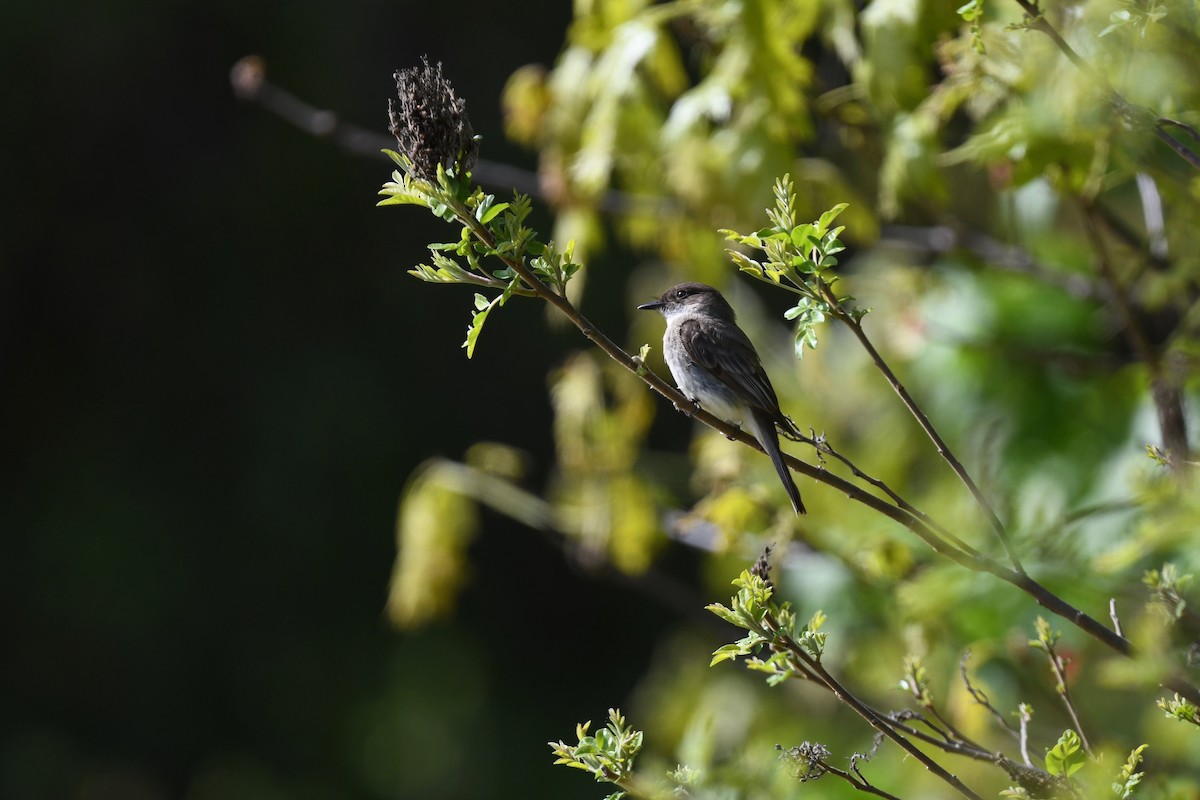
[
  {"x": 762, "y": 566},
  {"x": 430, "y": 122}
]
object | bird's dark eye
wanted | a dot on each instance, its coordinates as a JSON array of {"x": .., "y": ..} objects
[{"x": 682, "y": 293}]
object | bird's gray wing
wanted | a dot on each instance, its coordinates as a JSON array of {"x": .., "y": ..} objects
[{"x": 733, "y": 362}]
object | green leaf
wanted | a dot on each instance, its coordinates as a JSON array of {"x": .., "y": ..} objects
[
  {"x": 484, "y": 307},
  {"x": 829, "y": 216},
  {"x": 726, "y": 614},
  {"x": 1127, "y": 778},
  {"x": 745, "y": 263},
  {"x": 805, "y": 338},
  {"x": 491, "y": 213},
  {"x": 803, "y": 236},
  {"x": 401, "y": 197},
  {"x": 969, "y": 11},
  {"x": 725, "y": 652},
  {"x": 1067, "y": 756}
]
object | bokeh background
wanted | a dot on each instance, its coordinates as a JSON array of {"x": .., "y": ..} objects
[
  {"x": 218, "y": 381},
  {"x": 217, "y": 378}
]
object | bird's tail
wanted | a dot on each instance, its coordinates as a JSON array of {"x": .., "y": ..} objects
[{"x": 764, "y": 431}]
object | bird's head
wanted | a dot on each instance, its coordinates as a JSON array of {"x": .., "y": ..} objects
[{"x": 693, "y": 298}]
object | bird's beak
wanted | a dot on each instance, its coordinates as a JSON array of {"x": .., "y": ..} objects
[{"x": 655, "y": 306}]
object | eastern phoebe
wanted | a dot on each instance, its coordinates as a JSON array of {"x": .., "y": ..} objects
[{"x": 716, "y": 367}]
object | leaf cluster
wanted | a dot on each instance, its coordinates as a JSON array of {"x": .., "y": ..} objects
[
  {"x": 768, "y": 625},
  {"x": 799, "y": 257},
  {"x": 608, "y": 755},
  {"x": 489, "y": 230}
]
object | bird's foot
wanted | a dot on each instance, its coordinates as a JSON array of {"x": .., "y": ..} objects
[{"x": 689, "y": 410}]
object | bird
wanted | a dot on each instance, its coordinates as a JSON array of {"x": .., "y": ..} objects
[{"x": 717, "y": 369}]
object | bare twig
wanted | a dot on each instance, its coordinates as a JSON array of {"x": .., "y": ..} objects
[
  {"x": 918, "y": 688},
  {"x": 1026, "y": 715},
  {"x": 798, "y": 658},
  {"x": 952, "y": 732},
  {"x": 855, "y": 326},
  {"x": 1058, "y": 667},
  {"x": 821, "y": 445},
  {"x": 979, "y": 696},
  {"x": 1182, "y": 150},
  {"x": 1112, "y": 614},
  {"x": 942, "y": 742},
  {"x": 1174, "y": 123},
  {"x": 859, "y": 782}
]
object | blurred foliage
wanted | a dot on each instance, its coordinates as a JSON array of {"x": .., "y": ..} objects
[{"x": 1022, "y": 219}]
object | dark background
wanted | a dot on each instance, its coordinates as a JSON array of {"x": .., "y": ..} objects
[{"x": 217, "y": 377}]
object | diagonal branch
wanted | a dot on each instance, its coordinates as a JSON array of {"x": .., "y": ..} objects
[
  {"x": 855, "y": 325},
  {"x": 821, "y": 445},
  {"x": 813, "y": 668}
]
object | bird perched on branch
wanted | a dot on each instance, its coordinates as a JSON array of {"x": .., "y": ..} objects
[{"x": 717, "y": 368}]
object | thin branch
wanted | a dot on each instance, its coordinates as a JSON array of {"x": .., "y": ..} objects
[
  {"x": 949, "y": 745},
  {"x": 859, "y": 782},
  {"x": 1024, "y": 774},
  {"x": 798, "y": 656},
  {"x": 1179, "y": 147},
  {"x": 1112, "y": 614},
  {"x": 1060, "y": 675},
  {"x": 1039, "y": 22},
  {"x": 979, "y": 696},
  {"x": 951, "y": 732},
  {"x": 821, "y": 445},
  {"x": 1026, "y": 716},
  {"x": 943, "y": 449},
  {"x": 1174, "y": 123}
]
